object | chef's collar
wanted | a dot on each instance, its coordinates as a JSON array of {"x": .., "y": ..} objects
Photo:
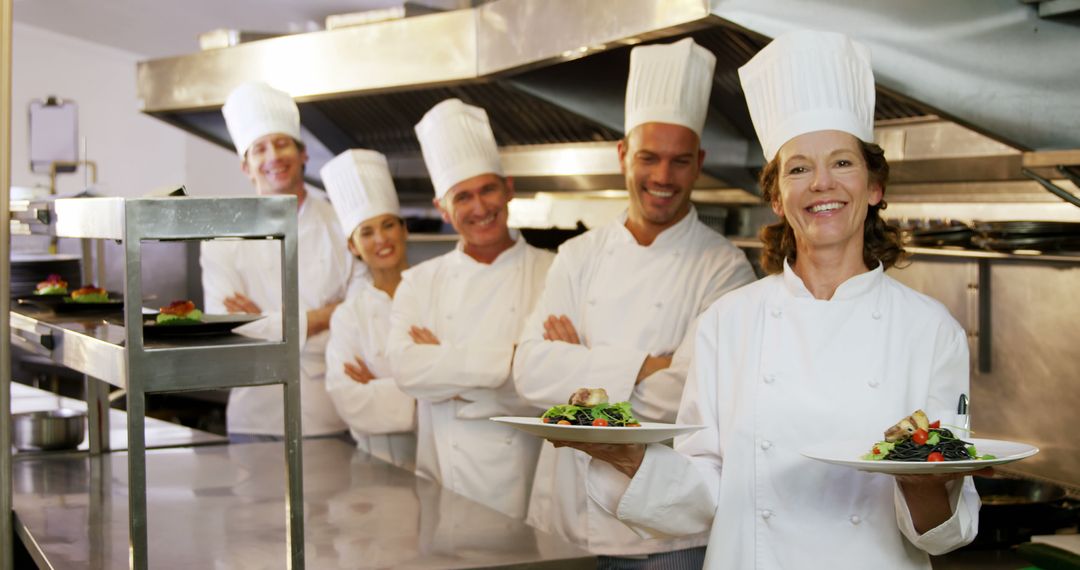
[
  {"x": 672, "y": 235},
  {"x": 856, "y": 286},
  {"x": 514, "y": 235}
]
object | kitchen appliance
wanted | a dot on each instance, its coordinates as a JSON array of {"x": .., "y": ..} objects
[
  {"x": 1015, "y": 509},
  {"x": 48, "y": 430}
]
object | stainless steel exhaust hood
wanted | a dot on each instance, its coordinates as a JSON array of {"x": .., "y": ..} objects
[{"x": 552, "y": 73}]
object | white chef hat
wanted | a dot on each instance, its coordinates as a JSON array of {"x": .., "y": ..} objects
[
  {"x": 808, "y": 81},
  {"x": 360, "y": 187},
  {"x": 457, "y": 144},
  {"x": 669, "y": 83},
  {"x": 254, "y": 110}
]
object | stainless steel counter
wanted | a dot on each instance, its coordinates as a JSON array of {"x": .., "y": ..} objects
[
  {"x": 158, "y": 433},
  {"x": 223, "y": 506}
]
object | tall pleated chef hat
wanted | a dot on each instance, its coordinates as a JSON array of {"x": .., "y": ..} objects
[
  {"x": 360, "y": 187},
  {"x": 669, "y": 83},
  {"x": 808, "y": 81},
  {"x": 457, "y": 144},
  {"x": 254, "y": 110}
]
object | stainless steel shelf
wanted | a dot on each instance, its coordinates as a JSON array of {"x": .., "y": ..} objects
[
  {"x": 95, "y": 346},
  {"x": 115, "y": 351},
  {"x": 754, "y": 243}
]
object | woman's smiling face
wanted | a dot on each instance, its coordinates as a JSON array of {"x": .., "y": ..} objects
[{"x": 825, "y": 190}]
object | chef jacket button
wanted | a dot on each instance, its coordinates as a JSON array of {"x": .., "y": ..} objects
[
  {"x": 874, "y": 383},
  {"x": 766, "y": 514},
  {"x": 592, "y": 301},
  {"x": 770, "y": 378},
  {"x": 454, "y": 445},
  {"x": 512, "y": 309},
  {"x": 855, "y": 519},
  {"x": 659, "y": 305},
  {"x": 450, "y": 317},
  {"x": 776, "y": 312},
  {"x": 766, "y": 444},
  {"x": 876, "y": 315}
]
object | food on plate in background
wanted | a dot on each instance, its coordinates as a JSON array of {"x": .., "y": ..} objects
[
  {"x": 52, "y": 285},
  {"x": 590, "y": 407},
  {"x": 179, "y": 313},
  {"x": 89, "y": 294},
  {"x": 915, "y": 438}
]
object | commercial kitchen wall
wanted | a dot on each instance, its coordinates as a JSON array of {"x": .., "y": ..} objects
[{"x": 136, "y": 155}]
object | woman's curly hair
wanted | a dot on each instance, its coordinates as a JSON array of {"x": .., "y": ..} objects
[{"x": 881, "y": 241}]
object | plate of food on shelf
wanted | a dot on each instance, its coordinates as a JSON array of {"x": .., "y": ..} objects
[
  {"x": 588, "y": 417},
  {"x": 53, "y": 293},
  {"x": 915, "y": 445},
  {"x": 182, "y": 318}
]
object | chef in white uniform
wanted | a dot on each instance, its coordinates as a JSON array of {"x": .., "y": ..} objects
[
  {"x": 456, "y": 319},
  {"x": 621, "y": 298},
  {"x": 826, "y": 348},
  {"x": 244, "y": 276},
  {"x": 381, "y": 417}
]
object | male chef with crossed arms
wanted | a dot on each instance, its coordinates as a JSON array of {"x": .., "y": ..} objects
[{"x": 620, "y": 299}]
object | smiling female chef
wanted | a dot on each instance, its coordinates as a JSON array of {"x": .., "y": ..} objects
[
  {"x": 829, "y": 347},
  {"x": 381, "y": 418}
]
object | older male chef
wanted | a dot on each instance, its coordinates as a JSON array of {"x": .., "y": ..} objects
[
  {"x": 621, "y": 298},
  {"x": 456, "y": 317},
  {"x": 241, "y": 276},
  {"x": 381, "y": 417}
]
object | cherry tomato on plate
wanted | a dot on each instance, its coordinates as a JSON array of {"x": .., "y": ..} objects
[
  {"x": 600, "y": 422},
  {"x": 936, "y": 424},
  {"x": 935, "y": 456},
  {"x": 920, "y": 436},
  {"x": 546, "y": 420}
]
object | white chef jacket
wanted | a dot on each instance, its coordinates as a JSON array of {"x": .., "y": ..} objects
[
  {"x": 381, "y": 418},
  {"x": 626, "y": 301},
  {"x": 774, "y": 370},
  {"x": 476, "y": 310},
  {"x": 253, "y": 267}
]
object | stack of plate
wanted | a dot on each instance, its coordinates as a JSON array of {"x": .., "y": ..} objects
[{"x": 1028, "y": 235}]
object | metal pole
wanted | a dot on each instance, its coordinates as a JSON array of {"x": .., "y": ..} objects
[{"x": 6, "y": 527}]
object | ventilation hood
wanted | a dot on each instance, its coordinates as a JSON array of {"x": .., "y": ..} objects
[{"x": 969, "y": 91}]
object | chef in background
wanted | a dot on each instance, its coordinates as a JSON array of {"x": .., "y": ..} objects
[
  {"x": 244, "y": 276},
  {"x": 621, "y": 298},
  {"x": 456, "y": 318},
  {"x": 381, "y": 418},
  {"x": 828, "y": 348}
]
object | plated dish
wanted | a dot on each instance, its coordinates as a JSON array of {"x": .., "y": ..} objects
[
  {"x": 209, "y": 325},
  {"x": 850, "y": 453},
  {"x": 647, "y": 432}
]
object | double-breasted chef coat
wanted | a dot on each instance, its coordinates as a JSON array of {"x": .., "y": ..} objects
[
  {"x": 476, "y": 310},
  {"x": 252, "y": 267},
  {"x": 381, "y": 418},
  {"x": 626, "y": 301},
  {"x": 774, "y": 371}
]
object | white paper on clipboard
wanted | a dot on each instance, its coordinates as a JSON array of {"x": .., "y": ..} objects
[{"x": 54, "y": 134}]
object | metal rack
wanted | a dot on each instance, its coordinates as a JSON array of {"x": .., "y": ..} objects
[{"x": 120, "y": 356}]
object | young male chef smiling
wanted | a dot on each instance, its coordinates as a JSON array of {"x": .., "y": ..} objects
[
  {"x": 621, "y": 298},
  {"x": 241, "y": 277},
  {"x": 455, "y": 319}
]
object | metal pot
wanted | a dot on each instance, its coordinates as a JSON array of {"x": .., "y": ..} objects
[
  {"x": 48, "y": 430},
  {"x": 1006, "y": 491}
]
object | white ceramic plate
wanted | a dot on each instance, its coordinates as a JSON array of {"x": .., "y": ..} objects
[
  {"x": 847, "y": 453},
  {"x": 649, "y": 432}
]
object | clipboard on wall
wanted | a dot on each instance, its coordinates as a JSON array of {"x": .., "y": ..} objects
[{"x": 54, "y": 135}]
